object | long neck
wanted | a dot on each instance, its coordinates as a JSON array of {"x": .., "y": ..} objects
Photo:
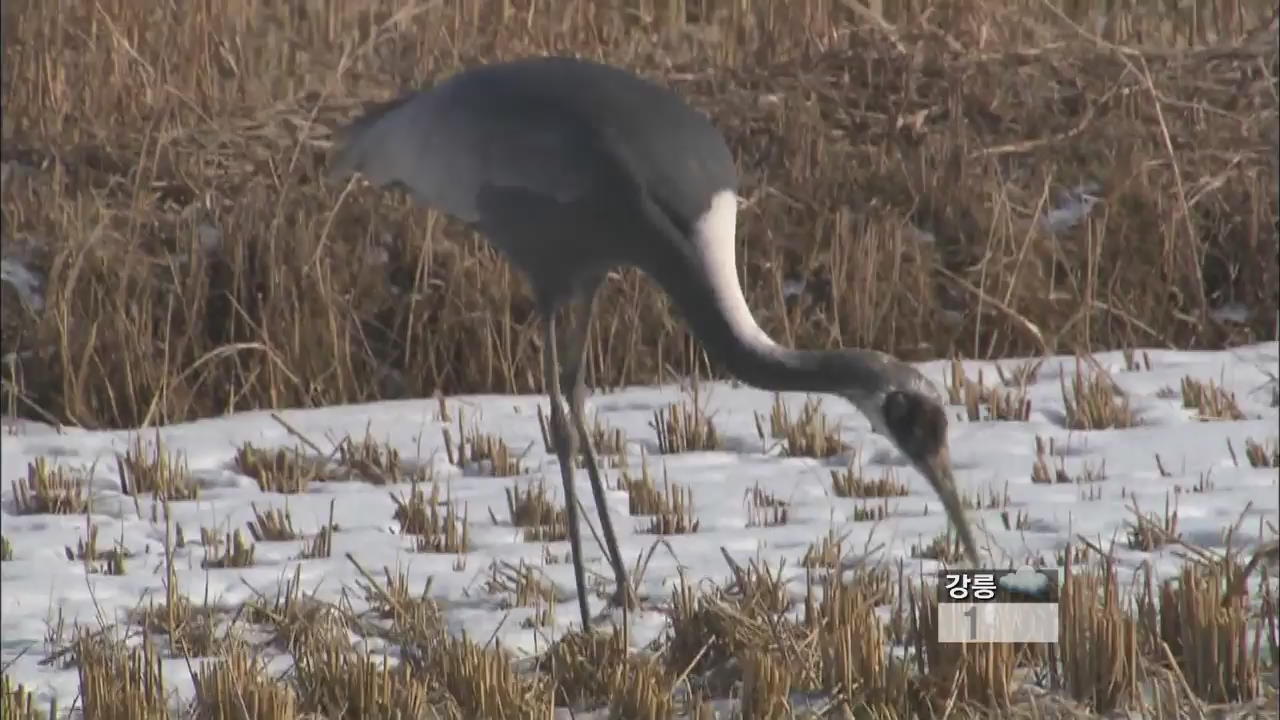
[
  {"x": 700, "y": 274},
  {"x": 730, "y": 336}
]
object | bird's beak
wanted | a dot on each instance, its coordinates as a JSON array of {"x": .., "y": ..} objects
[{"x": 937, "y": 470}]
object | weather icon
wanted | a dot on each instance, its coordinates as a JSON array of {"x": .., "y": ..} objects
[{"x": 1027, "y": 584}]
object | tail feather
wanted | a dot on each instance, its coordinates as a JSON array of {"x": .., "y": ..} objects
[{"x": 355, "y": 140}]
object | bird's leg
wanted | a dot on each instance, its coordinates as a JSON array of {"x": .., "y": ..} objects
[
  {"x": 575, "y": 378},
  {"x": 561, "y": 436}
]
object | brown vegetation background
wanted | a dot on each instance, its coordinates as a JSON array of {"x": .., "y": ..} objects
[{"x": 163, "y": 164}]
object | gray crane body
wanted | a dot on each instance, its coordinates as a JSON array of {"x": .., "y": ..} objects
[
  {"x": 545, "y": 156},
  {"x": 572, "y": 168}
]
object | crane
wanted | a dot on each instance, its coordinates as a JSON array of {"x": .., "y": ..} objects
[{"x": 573, "y": 168}]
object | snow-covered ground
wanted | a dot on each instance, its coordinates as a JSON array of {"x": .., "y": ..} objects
[{"x": 41, "y": 582}]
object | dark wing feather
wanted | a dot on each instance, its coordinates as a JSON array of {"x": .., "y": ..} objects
[
  {"x": 553, "y": 126},
  {"x": 474, "y": 131}
]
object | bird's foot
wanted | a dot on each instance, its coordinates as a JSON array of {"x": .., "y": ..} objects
[{"x": 624, "y": 595}]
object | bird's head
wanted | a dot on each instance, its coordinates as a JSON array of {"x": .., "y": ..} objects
[{"x": 905, "y": 407}]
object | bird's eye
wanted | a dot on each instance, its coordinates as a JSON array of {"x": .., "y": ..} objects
[
  {"x": 897, "y": 408},
  {"x": 917, "y": 425}
]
